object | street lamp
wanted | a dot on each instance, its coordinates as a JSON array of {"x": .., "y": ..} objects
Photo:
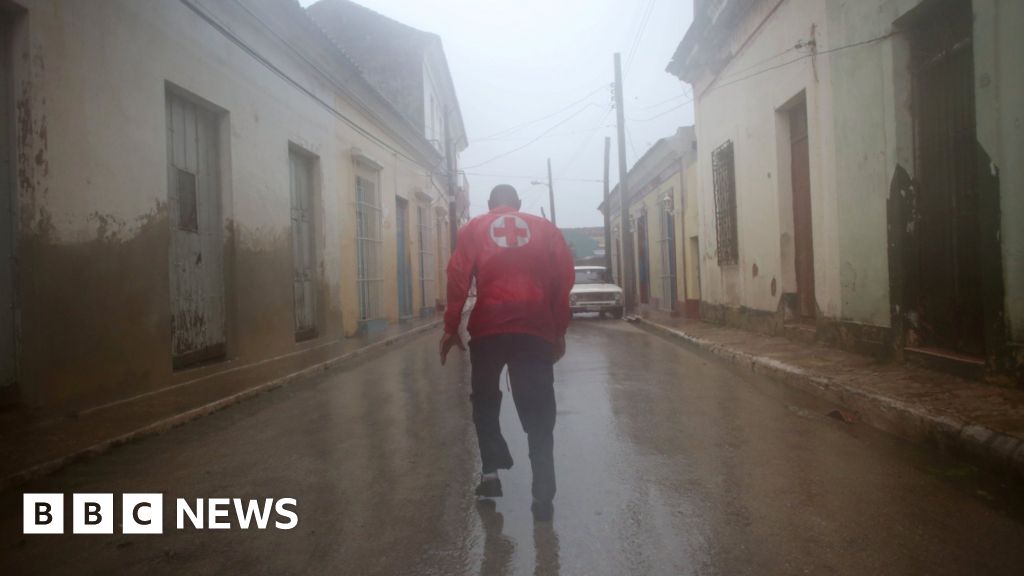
[{"x": 550, "y": 195}]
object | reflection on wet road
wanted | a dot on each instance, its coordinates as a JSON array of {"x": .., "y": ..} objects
[{"x": 668, "y": 462}]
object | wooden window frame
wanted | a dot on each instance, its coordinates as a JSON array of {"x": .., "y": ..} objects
[
  {"x": 300, "y": 158},
  {"x": 369, "y": 244}
]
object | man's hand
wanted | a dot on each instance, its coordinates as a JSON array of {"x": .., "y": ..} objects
[
  {"x": 559, "y": 348},
  {"x": 447, "y": 341}
]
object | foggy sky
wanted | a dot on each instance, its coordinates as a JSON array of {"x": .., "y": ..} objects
[{"x": 517, "y": 61}]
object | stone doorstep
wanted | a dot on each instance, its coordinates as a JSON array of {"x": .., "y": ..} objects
[
  {"x": 74, "y": 454},
  {"x": 912, "y": 421}
]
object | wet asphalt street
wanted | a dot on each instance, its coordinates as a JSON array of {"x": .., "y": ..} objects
[{"x": 668, "y": 462}]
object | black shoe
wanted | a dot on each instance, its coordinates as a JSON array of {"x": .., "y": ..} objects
[
  {"x": 489, "y": 488},
  {"x": 543, "y": 510}
]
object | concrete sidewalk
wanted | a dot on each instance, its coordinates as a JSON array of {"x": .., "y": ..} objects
[
  {"x": 982, "y": 422},
  {"x": 33, "y": 447}
]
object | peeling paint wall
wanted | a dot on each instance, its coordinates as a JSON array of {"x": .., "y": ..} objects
[
  {"x": 999, "y": 100},
  {"x": 741, "y": 104},
  {"x": 92, "y": 185},
  {"x": 859, "y": 97}
]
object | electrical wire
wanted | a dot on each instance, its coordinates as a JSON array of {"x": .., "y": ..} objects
[
  {"x": 802, "y": 57},
  {"x": 639, "y": 35},
  {"x": 525, "y": 177},
  {"x": 660, "y": 114},
  {"x": 735, "y": 73},
  {"x": 516, "y": 128},
  {"x": 629, "y": 136},
  {"x": 518, "y": 148},
  {"x": 666, "y": 101},
  {"x": 575, "y": 156},
  {"x": 556, "y": 135}
]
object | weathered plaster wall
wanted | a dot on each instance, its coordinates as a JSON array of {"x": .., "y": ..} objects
[
  {"x": 92, "y": 197},
  {"x": 741, "y": 105},
  {"x": 999, "y": 100},
  {"x": 864, "y": 167}
]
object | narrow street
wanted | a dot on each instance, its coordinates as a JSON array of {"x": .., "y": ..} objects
[{"x": 668, "y": 462}]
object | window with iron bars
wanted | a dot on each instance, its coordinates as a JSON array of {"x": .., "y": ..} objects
[
  {"x": 368, "y": 246},
  {"x": 723, "y": 167},
  {"x": 425, "y": 224}
]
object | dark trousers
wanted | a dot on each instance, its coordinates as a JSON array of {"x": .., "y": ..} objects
[{"x": 531, "y": 371}]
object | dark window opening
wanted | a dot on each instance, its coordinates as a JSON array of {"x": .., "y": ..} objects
[{"x": 188, "y": 214}]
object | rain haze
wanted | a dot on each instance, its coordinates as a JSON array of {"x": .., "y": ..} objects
[
  {"x": 534, "y": 80},
  {"x": 257, "y": 317}
]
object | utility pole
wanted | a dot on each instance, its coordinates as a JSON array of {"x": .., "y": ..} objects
[
  {"x": 453, "y": 218},
  {"x": 607, "y": 210},
  {"x": 627, "y": 238},
  {"x": 551, "y": 195}
]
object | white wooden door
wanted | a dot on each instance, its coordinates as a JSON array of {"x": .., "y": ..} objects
[
  {"x": 197, "y": 248},
  {"x": 303, "y": 246}
]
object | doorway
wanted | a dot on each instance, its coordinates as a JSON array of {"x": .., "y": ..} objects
[
  {"x": 803, "y": 238},
  {"x": 693, "y": 298},
  {"x": 643, "y": 255},
  {"x": 404, "y": 263},
  {"x": 944, "y": 284},
  {"x": 304, "y": 260},
  {"x": 668, "y": 255},
  {"x": 197, "y": 232}
]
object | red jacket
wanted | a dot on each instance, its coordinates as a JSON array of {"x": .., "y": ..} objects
[{"x": 524, "y": 272}]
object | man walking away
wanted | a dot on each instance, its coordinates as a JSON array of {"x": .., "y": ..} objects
[{"x": 524, "y": 272}]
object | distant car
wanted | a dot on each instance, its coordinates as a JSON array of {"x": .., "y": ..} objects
[{"x": 594, "y": 292}]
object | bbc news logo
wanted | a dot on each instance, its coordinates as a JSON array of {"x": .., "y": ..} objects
[{"x": 144, "y": 514}]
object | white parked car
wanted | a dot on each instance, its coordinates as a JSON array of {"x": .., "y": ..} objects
[{"x": 594, "y": 292}]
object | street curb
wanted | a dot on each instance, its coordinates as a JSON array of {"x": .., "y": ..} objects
[
  {"x": 993, "y": 449},
  {"x": 161, "y": 426}
]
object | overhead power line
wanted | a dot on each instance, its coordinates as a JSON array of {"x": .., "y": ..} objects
[
  {"x": 645, "y": 19},
  {"x": 660, "y": 114},
  {"x": 666, "y": 101},
  {"x": 632, "y": 146},
  {"x": 556, "y": 135},
  {"x": 575, "y": 155},
  {"x": 802, "y": 57},
  {"x": 517, "y": 127},
  {"x": 518, "y": 148},
  {"x": 525, "y": 177}
]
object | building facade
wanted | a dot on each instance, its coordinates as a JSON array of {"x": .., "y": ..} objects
[
  {"x": 664, "y": 226},
  {"x": 857, "y": 172},
  {"x": 198, "y": 186},
  {"x": 409, "y": 69}
]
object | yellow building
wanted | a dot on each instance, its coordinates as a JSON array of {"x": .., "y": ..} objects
[
  {"x": 663, "y": 225},
  {"x": 204, "y": 186}
]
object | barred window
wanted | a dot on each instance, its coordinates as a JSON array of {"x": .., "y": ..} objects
[
  {"x": 723, "y": 166},
  {"x": 301, "y": 168},
  {"x": 425, "y": 224},
  {"x": 368, "y": 246}
]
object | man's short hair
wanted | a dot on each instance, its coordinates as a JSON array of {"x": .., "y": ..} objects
[{"x": 503, "y": 195}]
